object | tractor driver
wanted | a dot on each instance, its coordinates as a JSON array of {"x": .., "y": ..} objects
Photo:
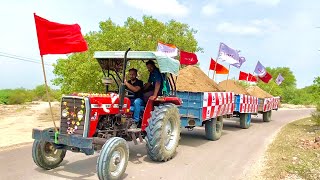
[
  {"x": 135, "y": 85},
  {"x": 154, "y": 85}
]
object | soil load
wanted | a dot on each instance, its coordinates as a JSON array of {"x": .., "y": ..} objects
[
  {"x": 193, "y": 79},
  {"x": 258, "y": 92},
  {"x": 233, "y": 86}
]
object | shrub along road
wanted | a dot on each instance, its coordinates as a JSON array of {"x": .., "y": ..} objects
[{"x": 232, "y": 157}]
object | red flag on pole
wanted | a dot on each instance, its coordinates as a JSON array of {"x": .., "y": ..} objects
[
  {"x": 188, "y": 58},
  {"x": 243, "y": 76},
  {"x": 266, "y": 78},
  {"x": 252, "y": 78},
  {"x": 56, "y": 38},
  {"x": 220, "y": 69}
]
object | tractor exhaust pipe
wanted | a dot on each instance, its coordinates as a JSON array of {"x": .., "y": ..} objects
[{"x": 122, "y": 87}]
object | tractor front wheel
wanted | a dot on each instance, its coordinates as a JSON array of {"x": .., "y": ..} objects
[
  {"x": 46, "y": 155},
  {"x": 163, "y": 132},
  {"x": 113, "y": 159}
]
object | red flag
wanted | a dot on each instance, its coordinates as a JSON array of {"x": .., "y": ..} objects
[
  {"x": 266, "y": 78},
  {"x": 56, "y": 38},
  {"x": 252, "y": 78},
  {"x": 220, "y": 69},
  {"x": 188, "y": 58},
  {"x": 243, "y": 76}
]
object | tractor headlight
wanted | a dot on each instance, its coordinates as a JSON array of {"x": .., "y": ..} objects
[
  {"x": 80, "y": 115},
  {"x": 64, "y": 113}
]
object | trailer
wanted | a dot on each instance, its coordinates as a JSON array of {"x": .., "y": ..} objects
[
  {"x": 266, "y": 105},
  {"x": 205, "y": 108},
  {"x": 245, "y": 106}
]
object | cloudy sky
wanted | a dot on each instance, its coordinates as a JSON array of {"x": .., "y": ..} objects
[{"x": 278, "y": 33}]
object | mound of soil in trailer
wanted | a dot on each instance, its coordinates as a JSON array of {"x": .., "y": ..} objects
[
  {"x": 258, "y": 92},
  {"x": 193, "y": 79},
  {"x": 232, "y": 85}
]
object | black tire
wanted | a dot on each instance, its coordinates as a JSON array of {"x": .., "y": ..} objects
[
  {"x": 214, "y": 128},
  {"x": 163, "y": 132},
  {"x": 245, "y": 120},
  {"x": 113, "y": 159},
  {"x": 266, "y": 116},
  {"x": 46, "y": 156}
]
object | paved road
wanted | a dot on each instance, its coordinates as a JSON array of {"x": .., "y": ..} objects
[{"x": 197, "y": 158}]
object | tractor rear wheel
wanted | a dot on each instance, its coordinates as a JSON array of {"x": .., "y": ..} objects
[
  {"x": 46, "y": 156},
  {"x": 113, "y": 159},
  {"x": 266, "y": 116},
  {"x": 245, "y": 120},
  {"x": 163, "y": 132},
  {"x": 214, "y": 128}
]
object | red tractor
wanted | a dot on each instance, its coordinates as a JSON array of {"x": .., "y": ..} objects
[{"x": 91, "y": 122}]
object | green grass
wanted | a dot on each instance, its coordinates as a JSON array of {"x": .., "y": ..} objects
[{"x": 288, "y": 154}]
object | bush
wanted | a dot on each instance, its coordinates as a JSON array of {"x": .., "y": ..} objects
[{"x": 316, "y": 115}]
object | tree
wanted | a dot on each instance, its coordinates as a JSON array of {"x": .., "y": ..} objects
[{"x": 81, "y": 73}]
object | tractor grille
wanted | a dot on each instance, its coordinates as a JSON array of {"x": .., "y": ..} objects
[{"x": 71, "y": 121}]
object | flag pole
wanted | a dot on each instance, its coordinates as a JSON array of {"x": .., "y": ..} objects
[
  {"x": 47, "y": 90},
  {"x": 215, "y": 66},
  {"x": 228, "y": 76},
  {"x": 271, "y": 88}
]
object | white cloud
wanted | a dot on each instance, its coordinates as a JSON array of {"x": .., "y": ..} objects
[
  {"x": 258, "y": 2},
  {"x": 254, "y": 27},
  {"x": 210, "y": 10},
  {"x": 161, "y": 7},
  {"x": 109, "y": 2}
]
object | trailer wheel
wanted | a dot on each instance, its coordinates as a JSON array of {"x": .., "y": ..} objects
[
  {"x": 266, "y": 116},
  {"x": 245, "y": 120},
  {"x": 163, "y": 132},
  {"x": 213, "y": 128},
  {"x": 46, "y": 156},
  {"x": 113, "y": 159}
]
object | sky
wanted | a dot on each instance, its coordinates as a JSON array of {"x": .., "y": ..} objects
[{"x": 278, "y": 33}]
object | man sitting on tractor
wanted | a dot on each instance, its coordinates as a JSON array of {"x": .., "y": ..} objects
[
  {"x": 135, "y": 85},
  {"x": 154, "y": 86}
]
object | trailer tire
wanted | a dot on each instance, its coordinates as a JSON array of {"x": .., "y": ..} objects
[
  {"x": 113, "y": 159},
  {"x": 163, "y": 132},
  {"x": 46, "y": 156},
  {"x": 266, "y": 116},
  {"x": 214, "y": 128},
  {"x": 245, "y": 120}
]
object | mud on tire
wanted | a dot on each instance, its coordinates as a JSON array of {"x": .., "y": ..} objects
[{"x": 163, "y": 132}]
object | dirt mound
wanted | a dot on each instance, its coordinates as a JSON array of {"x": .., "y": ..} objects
[
  {"x": 193, "y": 79},
  {"x": 232, "y": 85},
  {"x": 258, "y": 92}
]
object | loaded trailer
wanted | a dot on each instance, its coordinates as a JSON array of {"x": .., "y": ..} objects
[
  {"x": 205, "y": 108},
  {"x": 266, "y": 105}
]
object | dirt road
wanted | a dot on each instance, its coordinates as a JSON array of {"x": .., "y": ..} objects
[{"x": 234, "y": 156}]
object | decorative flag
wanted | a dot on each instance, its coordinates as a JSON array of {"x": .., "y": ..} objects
[
  {"x": 169, "y": 49},
  {"x": 228, "y": 54},
  {"x": 243, "y": 76},
  {"x": 241, "y": 61},
  {"x": 56, "y": 38},
  {"x": 220, "y": 69},
  {"x": 188, "y": 58},
  {"x": 266, "y": 78},
  {"x": 279, "y": 79},
  {"x": 260, "y": 70},
  {"x": 252, "y": 78}
]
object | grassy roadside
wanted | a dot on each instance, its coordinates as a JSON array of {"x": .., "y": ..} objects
[{"x": 294, "y": 154}]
